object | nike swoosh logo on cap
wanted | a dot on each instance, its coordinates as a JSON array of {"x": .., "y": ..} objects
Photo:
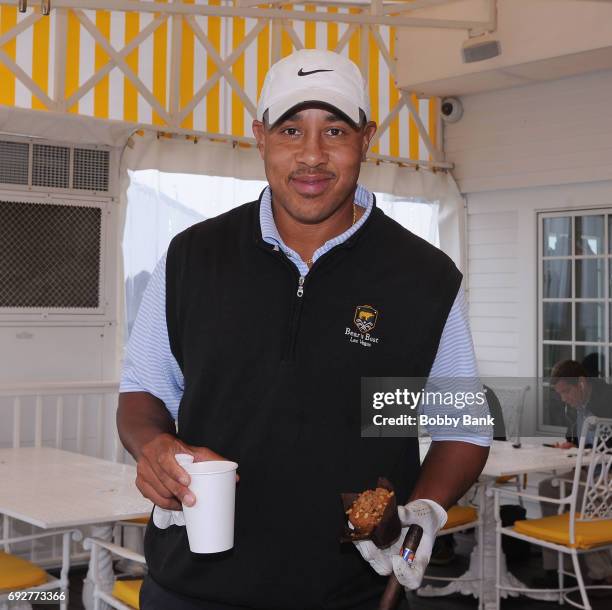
[{"x": 302, "y": 73}]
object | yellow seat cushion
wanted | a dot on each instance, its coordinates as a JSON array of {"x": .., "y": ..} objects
[
  {"x": 508, "y": 478},
  {"x": 505, "y": 479},
  {"x": 458, "y": 515},
  {"x": 556, "y": 529},
  {"x": 128, "y": 591},
  {"x": 143, "y": 520},
  {"x": 18, "y": 573}
]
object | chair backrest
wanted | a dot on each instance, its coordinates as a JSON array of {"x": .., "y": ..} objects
[
  {"x": 512, "y": 401},
  {"x": 597, "y": 489}
]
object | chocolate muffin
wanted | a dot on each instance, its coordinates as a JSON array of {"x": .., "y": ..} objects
[{"x": 367, "y": 510}]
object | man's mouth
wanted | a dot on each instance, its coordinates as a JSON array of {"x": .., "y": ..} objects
[{"x": 311, "y": 184}]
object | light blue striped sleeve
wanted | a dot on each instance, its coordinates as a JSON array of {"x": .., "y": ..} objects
[
  {"x": 456, "y": 359},
  {"x": 149, "y": 364}
]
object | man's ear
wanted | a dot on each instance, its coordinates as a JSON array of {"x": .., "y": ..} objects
[
  {"x": 259, "y": 133},
  {"x": 368, "y": 133}
]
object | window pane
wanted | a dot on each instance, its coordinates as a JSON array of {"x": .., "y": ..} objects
[
  {"x": 554, "y": 354},
  {"x": 589, "y": 234},
  {"x": 557, "y": 279},
  {"x": 557, "y": 321},
  {"x": 590, "y": 322},
  {"x": 556, "y": 236},
  {"x": 592, "y": 358},
  {"x": 589, "y": 278}
]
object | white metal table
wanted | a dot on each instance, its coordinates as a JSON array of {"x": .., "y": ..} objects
[
  {"x": 504, "y": 460},
  {"x": 51, "y": 488}
]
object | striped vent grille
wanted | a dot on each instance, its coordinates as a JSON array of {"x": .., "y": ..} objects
[
  {"x": 14, "y": 162},
  {"x": 53, "y": 166}
]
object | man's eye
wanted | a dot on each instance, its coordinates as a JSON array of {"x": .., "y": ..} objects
[
  {"x": 334, "y": 131},
  {"x": 290, "y": 131}
]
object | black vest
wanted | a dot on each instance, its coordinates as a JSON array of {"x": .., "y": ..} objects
[{"x": 272, "y": 381}]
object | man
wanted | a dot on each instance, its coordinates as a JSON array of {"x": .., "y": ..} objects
[
  {"x": 583, "y": 397},
  {"x": 242, "y": 338}
]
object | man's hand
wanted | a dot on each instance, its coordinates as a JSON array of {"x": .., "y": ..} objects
[
  {"x": 448, "y": 471},
  {"x": 160, "y": 478},
  {"x": 148, "y": 432},
  {"x": 564, "y": 445},
  {"x": 431, "y": 517}
]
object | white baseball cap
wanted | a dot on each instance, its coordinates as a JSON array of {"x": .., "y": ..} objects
[{"x": 312, "y": 75}]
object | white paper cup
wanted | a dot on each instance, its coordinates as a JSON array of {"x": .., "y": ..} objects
[{"x": 210, "y": 521}]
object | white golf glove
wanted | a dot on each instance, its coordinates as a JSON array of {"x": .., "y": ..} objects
[
  {"x": 164, "y": 518},
  {"x": 431, "y": 517}
]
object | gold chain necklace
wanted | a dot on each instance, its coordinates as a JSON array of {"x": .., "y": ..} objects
[{"x": 309, "y": 261}]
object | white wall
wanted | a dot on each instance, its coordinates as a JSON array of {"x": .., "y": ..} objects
[
  {"x": 548, "y": 133},
  {"x": 516, "y": 152}
]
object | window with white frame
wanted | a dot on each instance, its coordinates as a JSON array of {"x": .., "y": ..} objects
[
  {"x": 161, "y": 204},
  {"x": 573, "y": 298}
]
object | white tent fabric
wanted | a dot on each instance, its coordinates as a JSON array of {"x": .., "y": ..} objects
[{"x": 73, "y": 129}]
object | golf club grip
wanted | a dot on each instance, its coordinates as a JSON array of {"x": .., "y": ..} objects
[{"x": 391, "y": 595}]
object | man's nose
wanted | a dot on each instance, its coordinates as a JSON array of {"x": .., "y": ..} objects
[{"x": 312, "y": 152}]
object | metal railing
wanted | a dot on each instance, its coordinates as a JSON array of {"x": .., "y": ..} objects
[{"x": 102, "y": 399}]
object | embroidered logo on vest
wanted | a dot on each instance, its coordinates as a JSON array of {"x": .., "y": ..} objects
[{"x": 365, "y": 318}]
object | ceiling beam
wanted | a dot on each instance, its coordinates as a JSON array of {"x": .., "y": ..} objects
[{"x": 174, "y": 8}]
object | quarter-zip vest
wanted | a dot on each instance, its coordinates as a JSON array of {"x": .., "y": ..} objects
[{"x": 272, "y": 381}]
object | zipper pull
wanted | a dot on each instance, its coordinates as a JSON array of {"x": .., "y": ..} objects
[{"x": 300, "y": 290}]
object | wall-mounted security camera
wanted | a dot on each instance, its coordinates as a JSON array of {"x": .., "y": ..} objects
[{"x": 451, "y": 109}]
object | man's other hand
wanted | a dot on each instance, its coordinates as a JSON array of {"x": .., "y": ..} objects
[
  {"x": 431, "y": 517},
  {"x": 160, "y": 478}
]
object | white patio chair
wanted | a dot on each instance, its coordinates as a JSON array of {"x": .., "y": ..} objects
[
  {"x": 18, "y": 574},
  {"x": 129, "y": 534},
  {"x": 461, "y": 518},
  {"x": 125, "y": 593},
  {"x": 575, "y": 529},
  {"x": 512, "y": 403}
]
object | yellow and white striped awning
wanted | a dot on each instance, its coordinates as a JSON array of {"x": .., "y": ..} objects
[{"x": 191, "y": 72}]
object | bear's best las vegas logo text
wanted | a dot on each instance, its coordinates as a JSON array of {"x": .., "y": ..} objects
[{"x": 364, "y": 318}]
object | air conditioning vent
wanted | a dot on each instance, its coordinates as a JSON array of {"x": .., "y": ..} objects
[
  {"x": 51, "y": 166},
  {"x": 50, "y": 254},
  {"x": 14, "y": 162},
  {"x": 45, "y": 165},
  {"x": 91, "y": 169}
]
